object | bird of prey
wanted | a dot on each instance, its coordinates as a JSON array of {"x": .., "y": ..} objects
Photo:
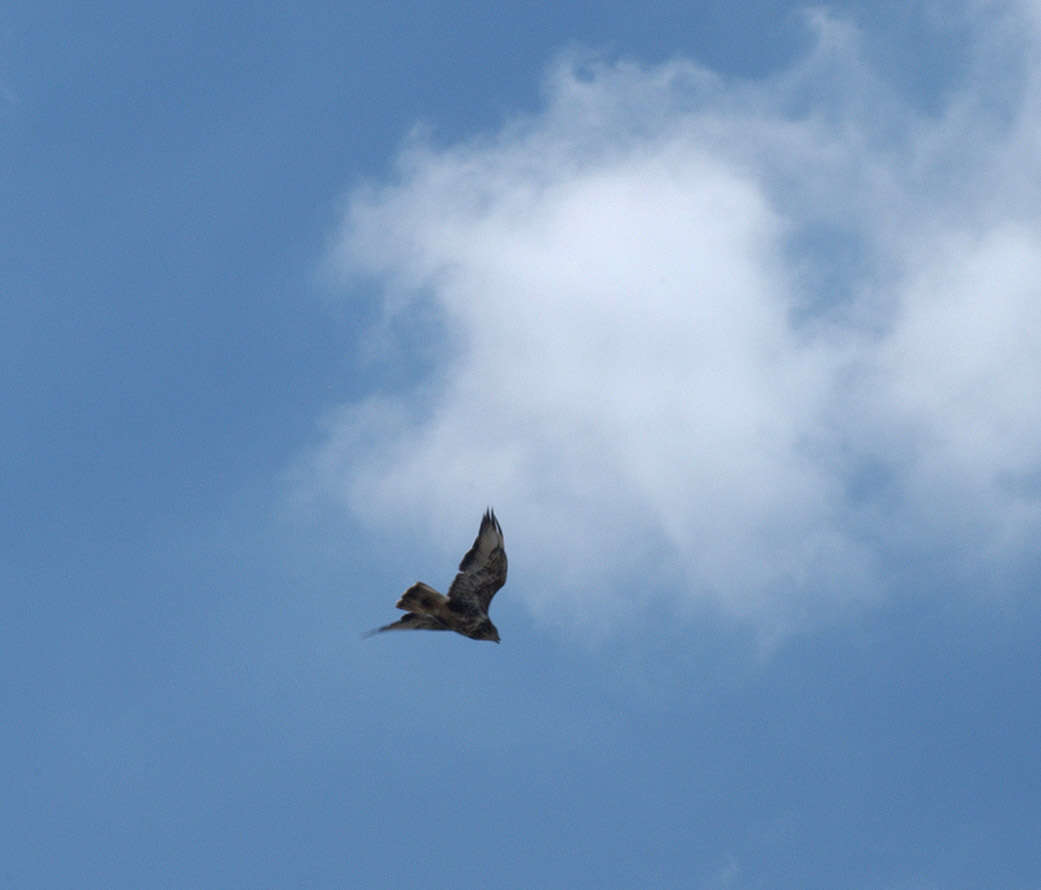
[{"x": 465, "y": 610}]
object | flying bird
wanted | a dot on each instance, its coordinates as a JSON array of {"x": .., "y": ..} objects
[{"x": 465, "y": 610}]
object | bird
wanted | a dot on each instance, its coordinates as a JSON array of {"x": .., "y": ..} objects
[{"x": 465, "y": 610}]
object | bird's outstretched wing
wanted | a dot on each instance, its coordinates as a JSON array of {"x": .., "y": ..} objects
[
  {"x": 411, "y": 621},
  {"x": 483, "y": 570}
]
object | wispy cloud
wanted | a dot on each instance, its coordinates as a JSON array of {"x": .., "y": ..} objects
[{"x": 747, "y": 343}]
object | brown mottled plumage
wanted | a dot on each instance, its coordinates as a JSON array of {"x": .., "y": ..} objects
[{"x": 465, "y": 610}]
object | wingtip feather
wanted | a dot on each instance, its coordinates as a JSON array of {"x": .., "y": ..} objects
[{"x": 491, "y": 519}]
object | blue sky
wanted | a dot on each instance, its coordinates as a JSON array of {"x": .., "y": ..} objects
[{"x": 734, "y": 316}]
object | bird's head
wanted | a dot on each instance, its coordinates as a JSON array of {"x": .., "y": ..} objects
[{"x": 486, "y": 631}]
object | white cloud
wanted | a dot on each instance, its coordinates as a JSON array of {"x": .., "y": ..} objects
[{"x": 710, "y": 341}]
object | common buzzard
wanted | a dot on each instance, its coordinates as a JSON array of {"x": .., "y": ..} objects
[{"x": 465, "y": 610}]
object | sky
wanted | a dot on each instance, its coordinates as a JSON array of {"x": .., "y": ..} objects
[{"x": 733, "y": 314}]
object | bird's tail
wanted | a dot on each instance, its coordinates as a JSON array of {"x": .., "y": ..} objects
[{"x": 421, "y": 598}]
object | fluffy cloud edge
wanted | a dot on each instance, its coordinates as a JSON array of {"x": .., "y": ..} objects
[{"x": 731, "y": 435}]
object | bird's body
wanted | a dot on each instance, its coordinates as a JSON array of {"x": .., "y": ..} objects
[{"x": 465, "y": 609}]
